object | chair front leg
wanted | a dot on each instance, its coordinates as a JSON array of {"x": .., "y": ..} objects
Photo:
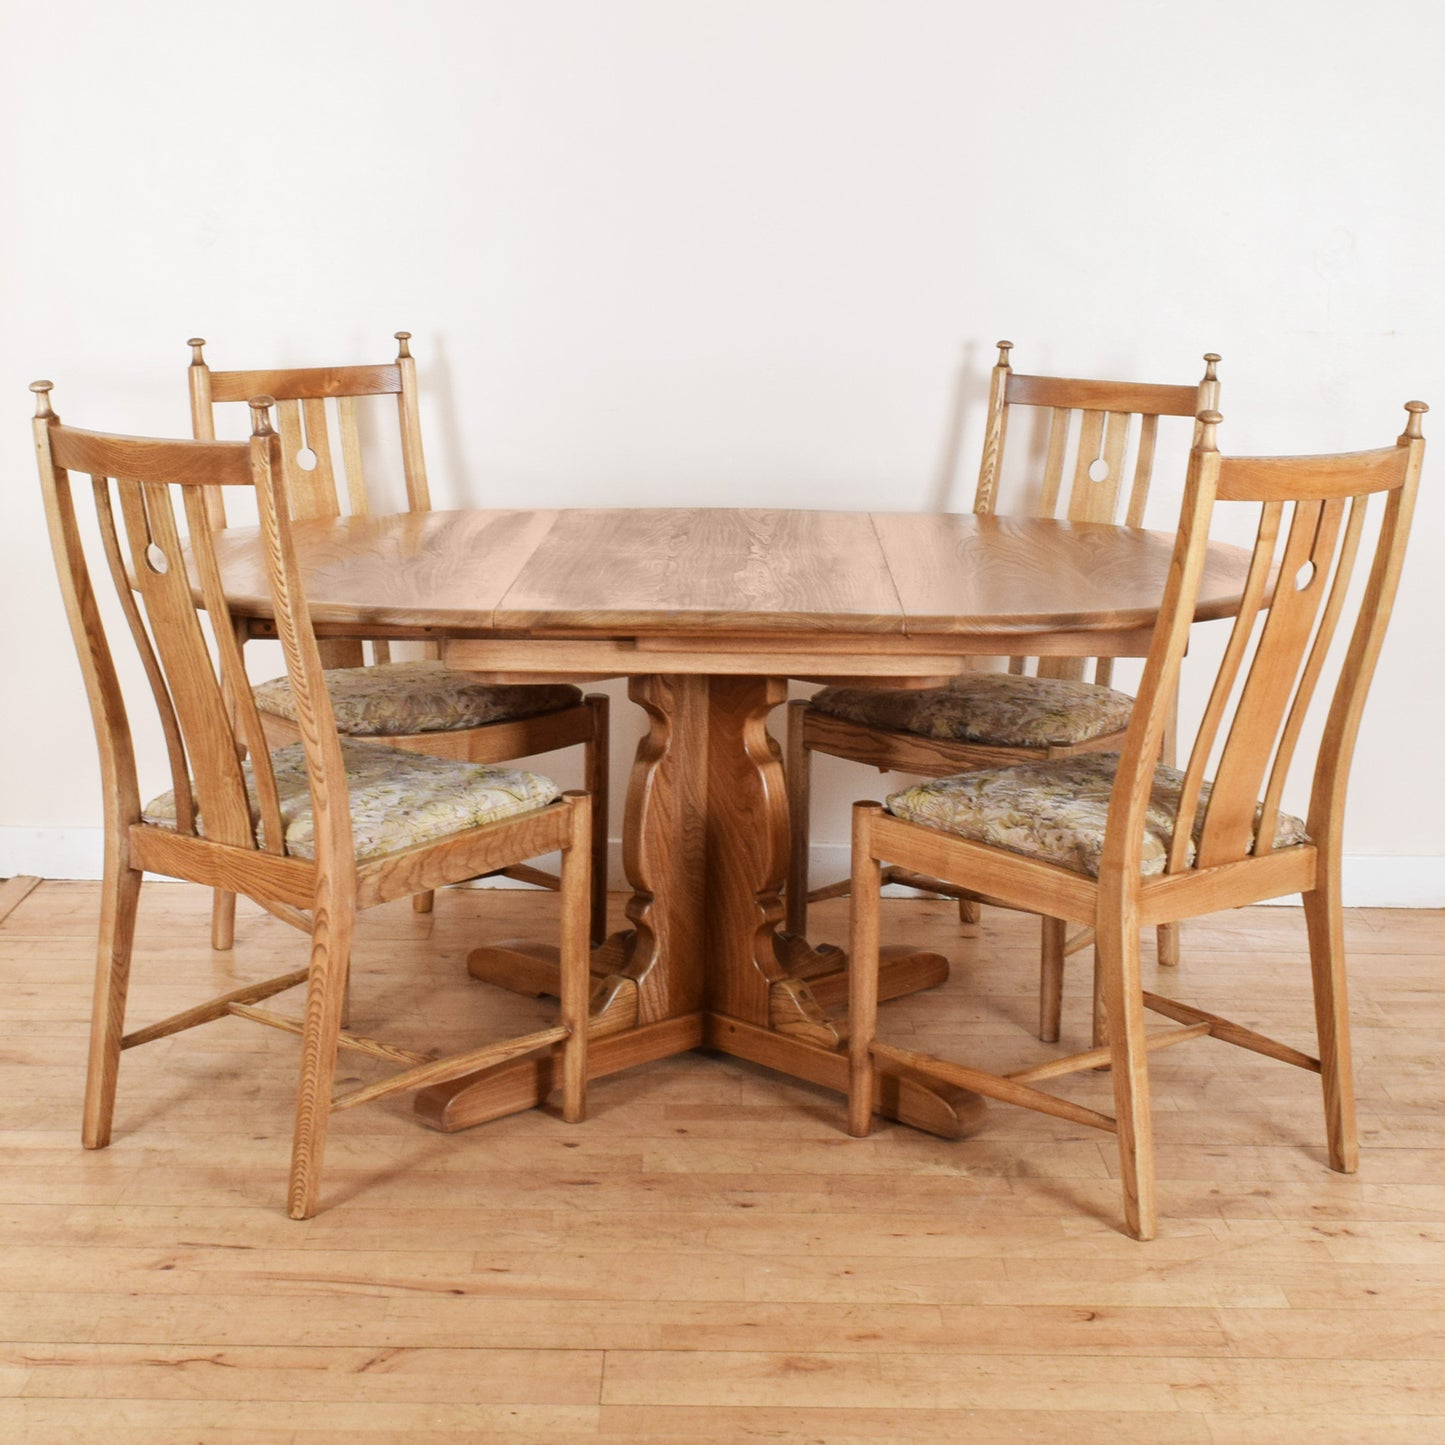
[
  {"x": 576, "y": 974},
  {"x": 320, "y": 1033},
  {"x": 863, "y": 971},
  {"x": 1117, "y": 959},
  {"x": 107, "y": 1016},
  {"x": 1325, "y": 926}
]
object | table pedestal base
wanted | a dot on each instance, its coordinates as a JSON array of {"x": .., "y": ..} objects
[
  {"x": 800, "y": 1038},
  {"x": 704, "y": 964}
]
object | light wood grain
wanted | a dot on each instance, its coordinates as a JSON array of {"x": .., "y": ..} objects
[
  {"x": 1309, "y": 528},
  {"x": 324, "y": 461},
  {"x": 405, "y": 570},
  {"x": 1032, "y": 574},
  {"x": 698, "y": 569},
  {"x": 208, "y": 716},
  {"x": 1094, "y": 428},
  {"x": 714, "y": 1261},
  {"x": 703, "y": 609},
  {"x": 645, "y": 573}
]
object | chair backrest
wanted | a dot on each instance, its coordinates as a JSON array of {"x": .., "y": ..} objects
[
  {"x": 150, "y": 503},
  {"x": 1312, "y": 519},
  {"x": 321, "y": 438},
  {"x": 319, "y": 414},
  {"x": 1099, "y": 433}
]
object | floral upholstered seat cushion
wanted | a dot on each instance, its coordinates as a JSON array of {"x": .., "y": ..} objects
[
  {"x": 987, "y": 707},
  {"x": 1057, "y": 810},
  {"x": 398, "y": 799},
  {"x": 418, "y": 697}
]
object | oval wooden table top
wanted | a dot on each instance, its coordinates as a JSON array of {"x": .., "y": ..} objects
[{"x": 679, "y": 572}]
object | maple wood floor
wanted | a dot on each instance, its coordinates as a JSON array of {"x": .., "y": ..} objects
[{"x": 710, "y": 1257}]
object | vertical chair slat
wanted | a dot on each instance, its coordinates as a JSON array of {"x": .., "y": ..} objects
[
  {"x": 1256, "y": 581},
  {"x": 235, "y": 685},
  {"x": 1304, "y": 693},
  {"x": 351, "y": 458},
  {"x": 318, "y": 441},
  {"x": 1268, "y": 683},
  {"x": 165, "y": 589},
  {"x": 1070, "y": 669},
  {"x": 1096, "y": 499},
  {"x": 165, "y": 708},
  {"x": 308, "y": 496},
  {"x": 1056, "y": 451},
  {"x": 1059, "y": 419},
  {"x": 1143, "y": 471},
  {"x": 1089, "y": 449}
]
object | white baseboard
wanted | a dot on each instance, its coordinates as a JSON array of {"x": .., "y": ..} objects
[{"x": 1371, "y": 880}]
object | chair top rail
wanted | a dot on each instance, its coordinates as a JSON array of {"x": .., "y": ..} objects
[
  {"x": 1146, "y": 398},
  {"x": 1347, "y": 474},
  {"x": 307, "y": 383},
  {"x": 176, "y": 463}
]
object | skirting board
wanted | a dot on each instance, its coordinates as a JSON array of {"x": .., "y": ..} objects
[{"x": 1371, "y": 880}]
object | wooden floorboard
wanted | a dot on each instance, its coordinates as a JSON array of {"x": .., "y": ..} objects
[{"x": 710, "y": 1257}]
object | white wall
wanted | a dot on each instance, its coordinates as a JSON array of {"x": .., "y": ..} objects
[{"x": 655, "y": 251}]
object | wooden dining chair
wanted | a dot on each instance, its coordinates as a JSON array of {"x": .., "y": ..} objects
[
  {"x": 421, "y": 706},
  {"x": 1099, "y": 434},
  {"x": 313, "y": 831},
  {"x": 1121, "y": 841}
]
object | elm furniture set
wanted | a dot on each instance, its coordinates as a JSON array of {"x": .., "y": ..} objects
[{"x": 346, "y": 785}]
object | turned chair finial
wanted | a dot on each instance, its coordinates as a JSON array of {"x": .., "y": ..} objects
[
  {"x": 402, "y": 351},
  {"x": 1413, "y": 431},
  {"x": 1208, "y": 421},
  {"x": 1211, "y": 360},
  {"x": 1004, "y": 347},
  {"x": 195, "y": 343},
  {"x": 261, "y": 416},
  {"x": 42, "y": 391}
]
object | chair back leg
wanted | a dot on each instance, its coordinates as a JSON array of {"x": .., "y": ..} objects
[
  {"x": 595, "y": 753},
  {"x": 799, "y": 763},
  {"x": 121, "y": 893},
  {"x": 223, "y": 920}
]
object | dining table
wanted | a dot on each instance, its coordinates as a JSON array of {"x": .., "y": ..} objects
[{"x": 708, "y": 613}]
